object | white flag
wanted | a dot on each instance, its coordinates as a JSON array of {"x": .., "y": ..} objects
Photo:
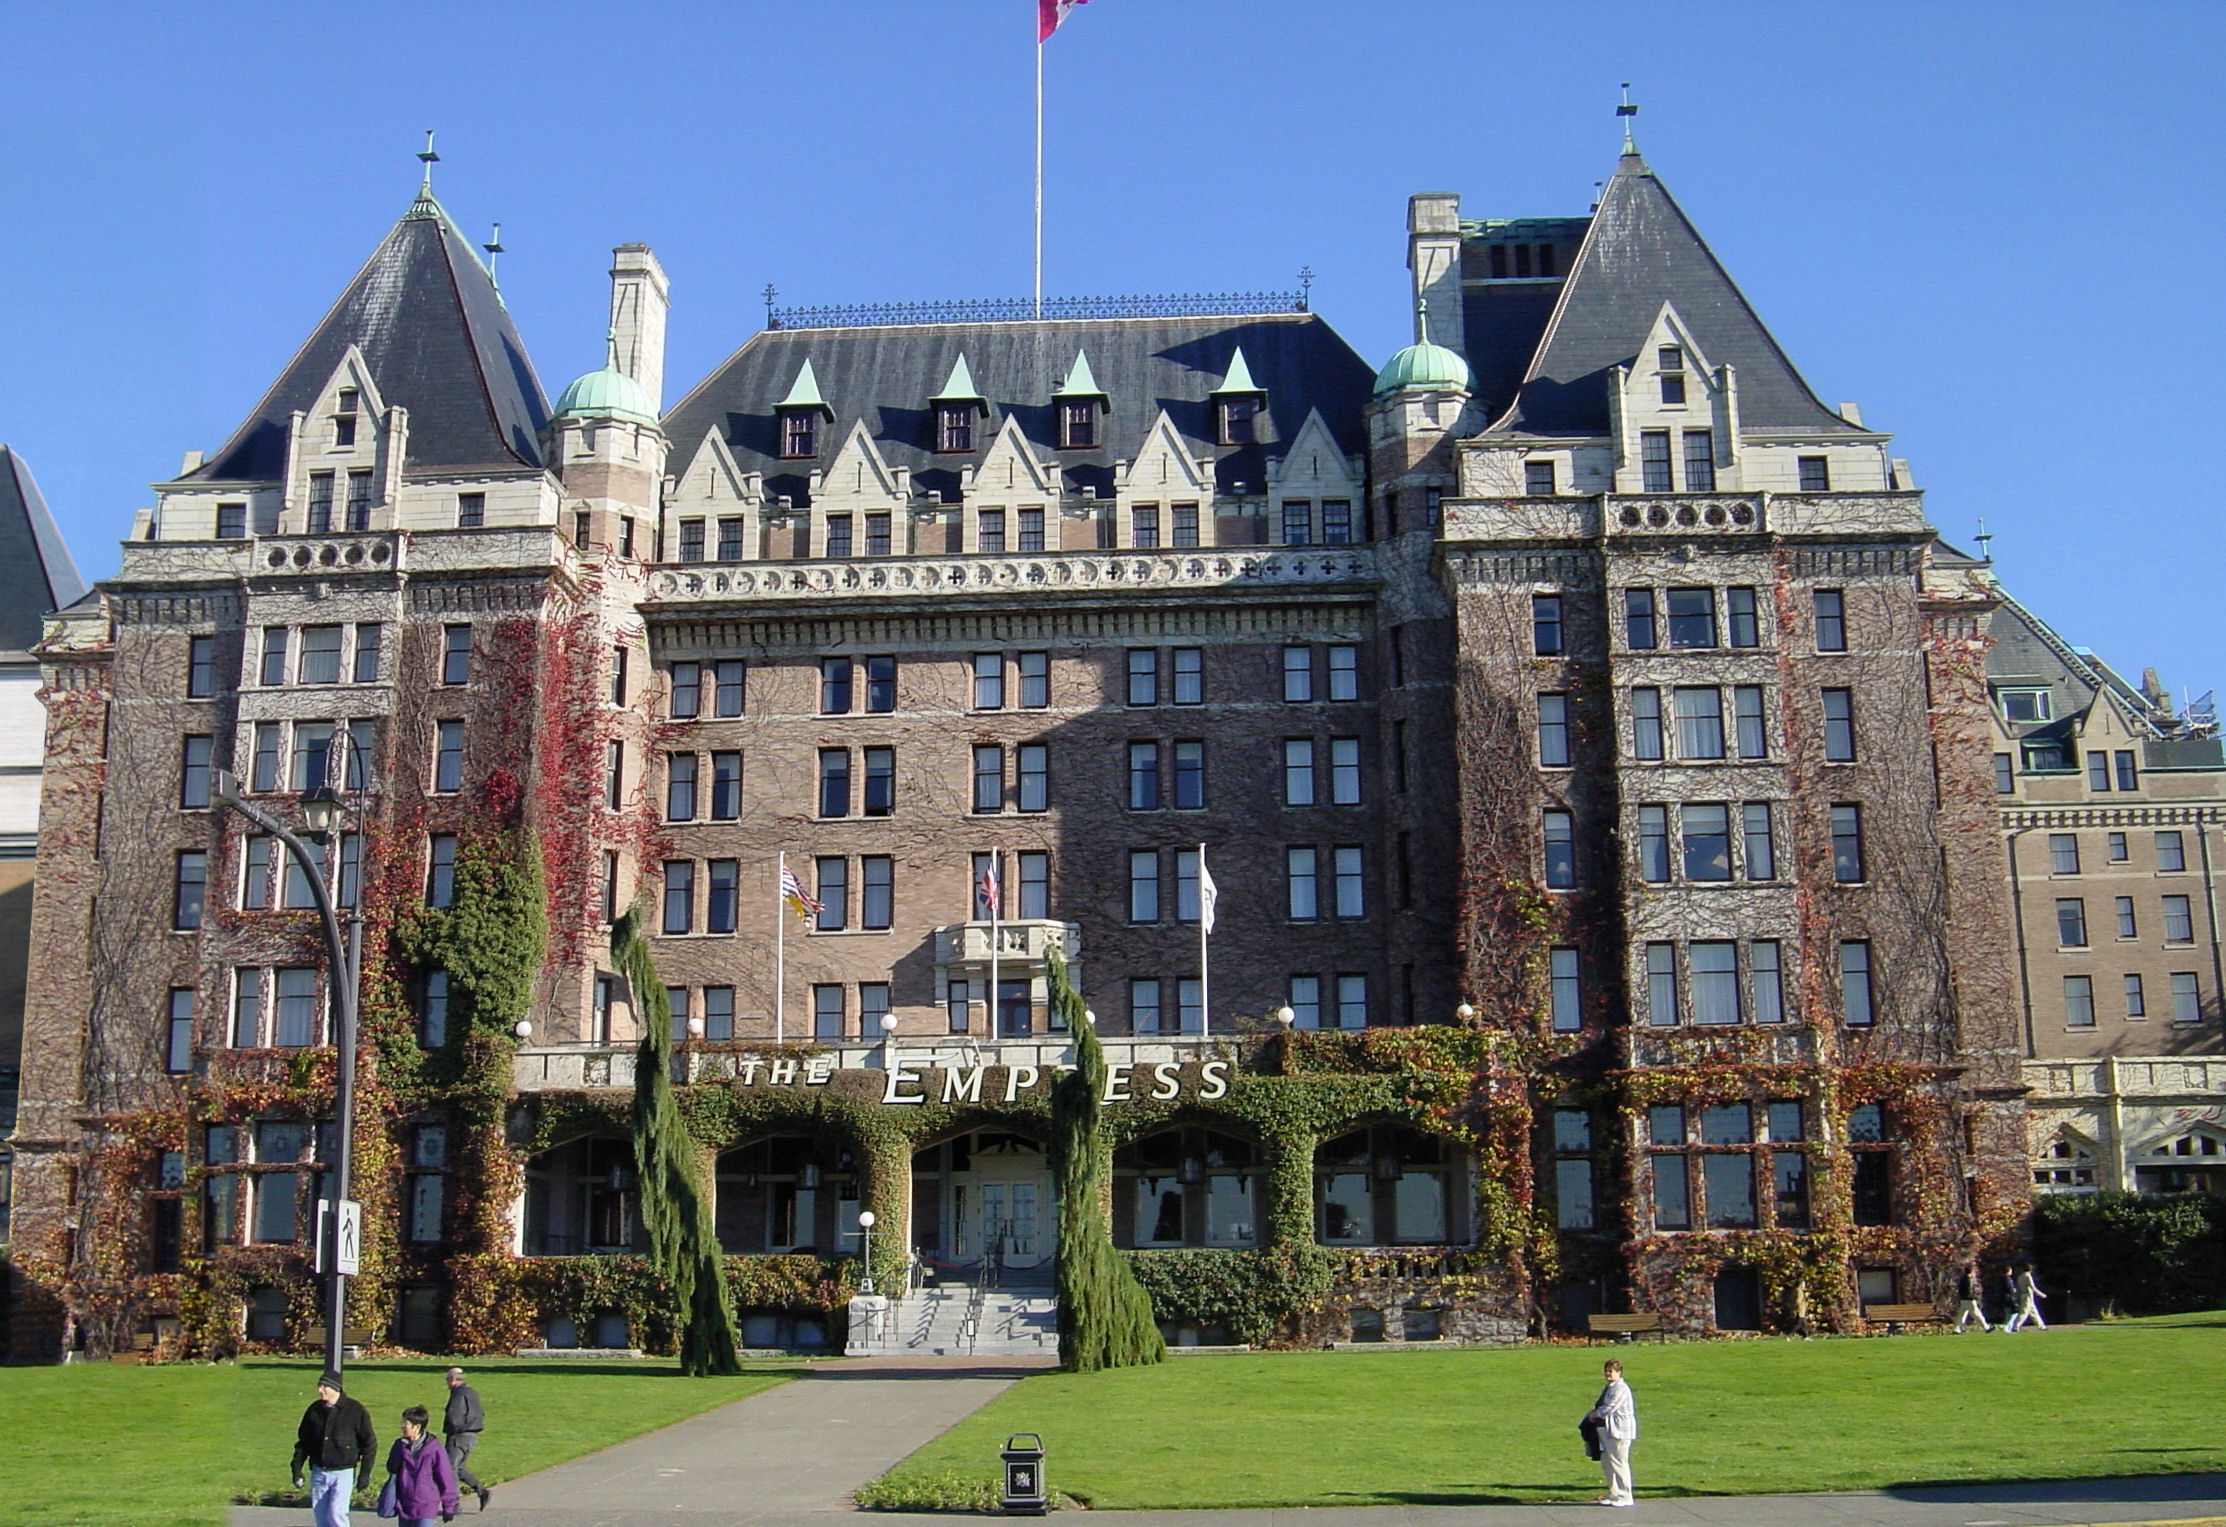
[{"x": 1206, "y": 892}]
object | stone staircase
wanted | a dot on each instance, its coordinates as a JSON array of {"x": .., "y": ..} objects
[{"x": 968, "y": 1320}]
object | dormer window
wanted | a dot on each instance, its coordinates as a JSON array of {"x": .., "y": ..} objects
[
  {"x": 1671, "y": 363},
  {"x": 954, "y": 427},
  {"x": 344, "y": 418},
  {"x": 799, "y": 432},
  {"x": 320, "y": 503},
  {"x": 1238, "y": 416},
  {"x": 2027, "y": 705},
  {"x": 1078, "y": 424}
]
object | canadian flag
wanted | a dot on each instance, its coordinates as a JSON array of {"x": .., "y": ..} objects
[{"x": 1049, "y": 13}]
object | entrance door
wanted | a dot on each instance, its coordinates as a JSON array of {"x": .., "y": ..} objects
[{"x": 1006, "y": 1205}]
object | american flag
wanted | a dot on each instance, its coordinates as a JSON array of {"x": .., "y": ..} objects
[{"x": 793, "y": 892}]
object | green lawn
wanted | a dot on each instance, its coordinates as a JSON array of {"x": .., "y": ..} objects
[
  {"x": 1715, "y": 1418},
  {"x": 101, "y": 1445}
]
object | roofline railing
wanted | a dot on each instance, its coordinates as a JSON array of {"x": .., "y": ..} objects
[{"x": 1025, "y": 310}]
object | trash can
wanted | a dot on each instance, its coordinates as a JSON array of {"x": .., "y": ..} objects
[{"x": 1024, "y": 1491}]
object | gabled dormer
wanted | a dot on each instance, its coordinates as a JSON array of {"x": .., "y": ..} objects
[
  {"x": 1316, "y": 492},
  {"x": 1078, "y": 404},
  {"x": 1165, "y": 494},
  {"x": 345, "y": 451},
  {"x": 802, "y": 416},
  {"x": 1675, "y": 415},
  {"x": 1238, "y": 404},
  {"x": 959, "y": 410},
  {"x": 856, "y": 502}
]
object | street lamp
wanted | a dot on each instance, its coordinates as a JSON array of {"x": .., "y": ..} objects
[
  {"x": 1285, "y": 1016},
  {"x": 865, "y": 1234},
  {"x": 321, "y": 810},
  {"x": 888, "y": 1038}
]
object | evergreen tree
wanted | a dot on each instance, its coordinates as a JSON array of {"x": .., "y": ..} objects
[
  {"x": 1105, "y": 1317},
  {"x": 683, "y": 1245}
]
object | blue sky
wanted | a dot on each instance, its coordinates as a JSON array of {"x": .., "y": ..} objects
[{"x": 1997, "y": 227}]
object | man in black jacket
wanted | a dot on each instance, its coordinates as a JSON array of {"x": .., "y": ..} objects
[
  {"x": 461, "y": 1425},
  {"x": 336, "y": 1441}
]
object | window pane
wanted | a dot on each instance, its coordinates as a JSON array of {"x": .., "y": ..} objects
[
  {"x": 1545, "y": 624},
  {"x": 1730, "y": 1182},
  {"x": 1760, "y": 844},
  {"x": 1855, "y": 992},
  {"x": 1646, "y": 723},
  {"x": 1344, "y": 673},
  {"x": 1298, "y": 771},
  {"x": 1715, "y": 967},
  {"x": 1692, "y": 617},
  {"x": 1568, "y": 1004},
  {"x": 1553, "y": 731},
  {"x": 1299, "y": 872},
  {"x": 1143, "y": 886},
  {"x": 1700, "y": 722},
  {"x": 1661, "y": 985},
  {"x": 1654, "y": 853},
  {"x": 1673, "y": 1202},
  {"x": 1561, "y": 851},
  {"x": 1769, "y": 981},
  {"x": 1707, "y": 842}
]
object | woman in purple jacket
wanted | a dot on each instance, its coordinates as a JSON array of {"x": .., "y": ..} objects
[{"x": 424, "y": 1479}]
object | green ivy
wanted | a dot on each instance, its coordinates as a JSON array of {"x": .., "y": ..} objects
[{"x": 2151, "y": 1253}]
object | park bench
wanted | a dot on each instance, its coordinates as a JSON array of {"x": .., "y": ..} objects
[
  {"x": 1895, "y": 1316},
  {"x": 137, "y": 1348},
  {"x": 350, "y": 1336},
  {"x": 1625, "y": 1327}
]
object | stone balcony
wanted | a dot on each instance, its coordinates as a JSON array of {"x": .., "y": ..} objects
[
  {"x": 2198, "y": 1078},
  {"x": 966, "y": 948},
  {"x": 1040, "y": 574},
  {"x": 1565, "y": 517}
]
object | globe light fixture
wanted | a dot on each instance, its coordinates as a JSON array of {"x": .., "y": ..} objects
[
  {"x": 1285, "y": 1016},
  {"x": 523, "y": 1029}
]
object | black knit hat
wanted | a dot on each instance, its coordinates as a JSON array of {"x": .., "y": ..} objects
[{"x": 329, "y": 1380}]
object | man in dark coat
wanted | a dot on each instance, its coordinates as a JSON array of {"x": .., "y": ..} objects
[
  {"x": 461, "y": 1425},
  {"x": 336, "y": 1441}
]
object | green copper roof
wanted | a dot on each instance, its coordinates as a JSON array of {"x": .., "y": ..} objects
[
  {"x": 1239, "y": 378},
  {"x": 607, "y": 394},
  {"x": 804, "y": 391},
  {"x": 1079, "y": 383},
  {"x": 1433, "y": 368},
  {"x": 959, "y": 386}
]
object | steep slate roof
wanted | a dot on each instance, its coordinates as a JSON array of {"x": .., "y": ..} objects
[
  {"x": 438, "y": 340},
  {"x": 887, "y": 376},
  {"x": 1641, "y": 252},
  {"x": 37, "y": 575}
]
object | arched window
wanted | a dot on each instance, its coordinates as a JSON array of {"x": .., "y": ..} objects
[
  {"x": 1387, "y": 1185},
  {"x": 582, "y": 1198},
  {"x": 785, "y": 1194},
  {"x": 1187, "y": 1187},
  {"x": 2067, "y": 1166}
]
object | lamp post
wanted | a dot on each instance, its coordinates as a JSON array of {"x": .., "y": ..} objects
[
  {"x": 888, "y": 1038},
  {"x": 865, "y": 1235},
  {"x": 320, "y": 810}
]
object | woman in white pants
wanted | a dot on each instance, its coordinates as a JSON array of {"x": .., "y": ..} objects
[
  {"x": 2029, "y": 1296},
  {"x": 1618, "y": 1418}
]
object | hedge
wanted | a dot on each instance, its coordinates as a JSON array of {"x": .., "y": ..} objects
[{"x": 2150, "y": 1253}]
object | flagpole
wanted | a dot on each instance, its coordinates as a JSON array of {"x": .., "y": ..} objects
[
  {"x": 1039, "y": 176},
  {"x": 996, "y": 909},
  {"x": 780, "y": 952},
  {"x": 1205, "y": 1009}
]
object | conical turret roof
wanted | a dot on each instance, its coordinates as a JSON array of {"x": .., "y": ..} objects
[
  {"x": 425, "y": 315},
  {"x": 37, "y": 575}
]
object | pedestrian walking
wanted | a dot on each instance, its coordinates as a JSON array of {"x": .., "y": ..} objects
[
  {"x": 1617, "y": 1416},
  {"x": 2009, "y": 1298},
  {"x": 461, "y": 1424},
  {"x": 336, "y": 1441},
  {"x": 1969, "y": 1285},
  {"x": 422, "y": 1478},
  {"x": 2027, "y": 1296}
]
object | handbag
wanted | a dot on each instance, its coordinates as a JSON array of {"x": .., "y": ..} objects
[
  {"x": 389, "y": 1504},
  {"x": 1589, "y": 1429}
]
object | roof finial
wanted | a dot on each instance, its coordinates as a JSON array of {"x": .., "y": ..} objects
[
  {"x": 493, "y": 246},
  {"x": 771, "y": 291},
  {"x": 428, "y": 158},
  {"x": 610, "y": 349},
  {"x": 1627, "y": 110},
  {"x": 1421, "y": 320},
  {"x": 1986, "y": 544},
  {"x": 1306, "y": 288}
]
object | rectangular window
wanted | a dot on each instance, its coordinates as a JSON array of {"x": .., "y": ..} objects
[
  {"x": 730, "y": 539},
  {"x": 1298, "y": 771},
  {"x": 1143, "y": 676},
  {"x": 2079, "y": 1002},
  {"x": 1759, "y": 842},
  {"x": 448, "y": 756},
  {"x": 1673, "y": 1199},
  {"x": 312, "y": 755},
  {"x": 1078, "y": 423},
  {"x": 471, "y": 511},
  {"x": 200, "y": 667},
  {"x": 1661, "y": 985},
  {"x": 1190, "y": 675},
  {"x": 881, "y": 780},
  {"x": 687, "y": 689},
  {"x": 726, "y": 693},
  {"x": 1337, "y": 522},
  {"x": 877, "y": 533},
  {"x": 1035, "y": 885},
  {"x": 231, "y": 522},
  {"x": 1654, "y": 854},
  {"x": 2129, "y": 778},
  {"x": 2098, "y": 770},
  {"x": 877, "y": 899},
  {"x": 1031, "y": 527},
  {"x": 680, "y": 896},
  {"x": 1742, "y": 627},
  {"x": 350, "y": 889},
  {"x": 1831, "y": 620},
  {"x": 1847, "y": 844},
  {"x": 1303, "y": 994},
  {"x": 1545, "y": 625},
  {"x": 368, "y": 640},
  {"x": 1538, "y": 477},
  {"x": 1553, "y": 731},
  {"x": 1816, "y": 474},
  {"x": 2137, "y": 1005},
  {"x": 1032, "y": 776},
  {"x": 298, "y": 895},
  {"x": 2005, "y": 776},
  {"x": 827, "y": 1013},
  {"x": 834, "y": 782},
  {"x": 1839, "y": 726},
  {"x": 1298, "y": 675},
  {"x": 1143, "y": 885},
  {"x": 320, "y": 503},
  {"x": 320, "y": 655},
  {"x": 1706, "y": 831},
  {"x": 2187, "y": 997},
  {"x": 263, "y": 766},
  {"x": 834, "y": 686},
  {"x": 255, "y": 873},
  {"x": 359, "y": 500},
  {"x": 440, "y": 870},
  {"x": 1568, "y": 995},
  {"x": 177, "y": 1044},
  {"x": 726, "y": 784},
  {"x": 614, "y": 775},
  {"x": 274, "y": 655},
  {"x": 1700, "y": 722},
  {"x": 1855, "y": 993},
  {"x": 2179, "y": 920},
  {"x": 1753, "y": 737},
  {"x": 797, "y": 433},
  {"x": 1715, "y": 967},
  {"x": 839, "y": 536},
  {"x": 1352, "y": 1002},
  {"x": 1035, "y": 679},
  {"x": 1692, "y": 618},
  {"x": 989, "y": 681},
  {"x": 723, "y": 884},
  {"x": 247, "y": 1009},
  {"x": 297, "y": 1008},
  {"x": 1730, "y": 1184},
  {"x": 1646, "y": 724},
  {"x": 989, "y": 778},
  {"x": 1346, "y": 862},
  {"x": 1344, "y": 673},
  {"x": 190, "y": 889},
  {"x": 1700, "y": 461},
  {"x": 195, "y": 773},
  {"x": 1186, "y": 885},
  {"x": 1190, "y": 776},
  {"x": 619, "y": 656},
  {"x": 1301, "y": 878},
  {"x": 1298, "y": 522},
  {"x": 873, "y": 1007},
  {"x": 2027, "y": 705},
  {"x": 1344, "y": 771},
  {"x": 718, "y": 1012},
  {"x": 1143, "y": 526},
  {"x": 1654, "y": 461},
  {"x": 455, "y": 654},
  {"x": 1669, "y": 362},
  {"x": 2127, "y": 927},
  {"x": 1185, "y": 529},
  {"x": 832, "y": 889},
  {"x": 2171, "y": 852},
  {"x": 610, "y": 886},
  {"x": 989, "y": 530},
  {"x": 1561, "y": 851},
  {"x": 1641, "y": 631},
  {"x": 1144, "y": 1016},
  {"x": 1768, "y": 981},
  {"x": 2063, "y": 853}
]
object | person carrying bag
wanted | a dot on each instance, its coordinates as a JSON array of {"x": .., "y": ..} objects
[{"x": 421, "y": 1482}]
